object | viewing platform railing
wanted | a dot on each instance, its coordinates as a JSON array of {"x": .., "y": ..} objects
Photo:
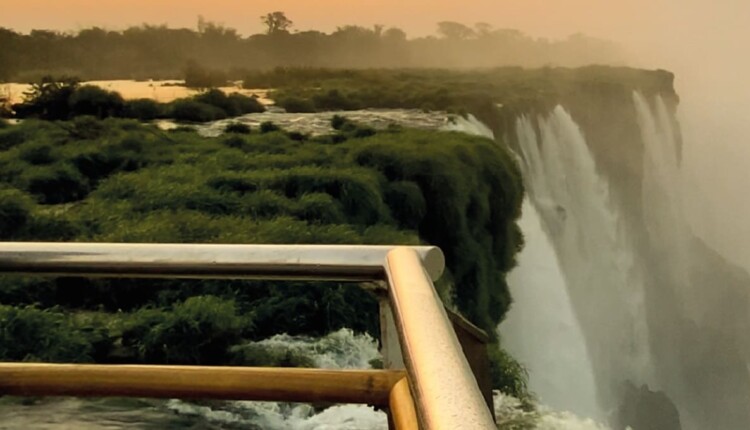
[{"x": 428, "y": 383}]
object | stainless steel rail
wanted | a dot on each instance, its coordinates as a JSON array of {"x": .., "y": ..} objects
[
  {"x": 445, "y": 391},
  {"x": 307, "y": 262}
]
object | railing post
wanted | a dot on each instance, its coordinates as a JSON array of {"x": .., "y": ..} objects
[{"x": 390, "y": 349}]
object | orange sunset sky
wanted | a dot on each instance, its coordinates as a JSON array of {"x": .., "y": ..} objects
[
  {"x": 542, "y": 17},
  {"x": 704, "y": 42},
  {"x": 649, "y": 27}
]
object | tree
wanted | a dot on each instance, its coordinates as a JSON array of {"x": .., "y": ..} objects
[
  {"x": 483, "y": 28},
  {"x": 395, "y": 34},
  {"x": 48, "y": 99},
  {"x": 454, "y": 30},
  {"x": 276, "y": 22}
]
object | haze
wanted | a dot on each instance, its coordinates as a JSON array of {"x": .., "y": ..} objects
[{"x": 703, "y": 42}]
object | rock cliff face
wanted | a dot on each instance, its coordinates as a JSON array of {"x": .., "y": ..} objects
[{"x": 657, "y": 307}]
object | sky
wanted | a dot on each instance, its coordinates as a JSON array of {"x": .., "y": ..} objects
[
  {"x": 542, "y": 17},
  {"x": 650, "y": 28},
  {"x": 704, "y": 42}
]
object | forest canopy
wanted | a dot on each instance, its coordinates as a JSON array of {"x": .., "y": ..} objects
[{"x": 153, "y": 51}]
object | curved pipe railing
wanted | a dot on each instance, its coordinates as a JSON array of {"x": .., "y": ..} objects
[
  {"x": 290, "y": 262},
  {"x": 445, "y": 392}
]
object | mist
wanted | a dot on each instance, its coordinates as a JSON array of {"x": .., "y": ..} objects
[{"x": 704, "y": 45}]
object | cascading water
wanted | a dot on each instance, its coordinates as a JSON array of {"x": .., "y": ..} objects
[
  {"x": 657, "y": 309},
  {"x": 703, "y": 301},
  {"x": 597, "y": 262},
  {"x": 541, "y": 330},
  {"x": 341, "y": 349}
]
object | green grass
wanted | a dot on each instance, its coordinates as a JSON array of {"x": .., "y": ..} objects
[{"x": 117, "y": 180}]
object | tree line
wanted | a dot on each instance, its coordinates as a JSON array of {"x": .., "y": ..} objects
[{"x": 153, "y": 51}]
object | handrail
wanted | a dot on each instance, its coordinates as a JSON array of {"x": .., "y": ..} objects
[
  {"x": 444, "y": 391},
  {"x": 196, "y": 382},
  {"x": 402, "y": 406},
  {"x": 306, "y": 262}
]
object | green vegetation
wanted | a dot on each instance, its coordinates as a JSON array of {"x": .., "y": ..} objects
[
  {"x": 86, "y": 176},
  {"x": 158, "y": 52},
  {"x": 64, "y": 98},
  {"x": 496, "y": 96},
  {"x": 122, "y": 181}
]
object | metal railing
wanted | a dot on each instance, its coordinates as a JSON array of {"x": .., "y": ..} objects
[{"x": 437, "y": 391}]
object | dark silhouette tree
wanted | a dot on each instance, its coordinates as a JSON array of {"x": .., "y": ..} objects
[
  {"x": 454, "y": 30},
  {"x": 276, "y": 22},
  {"x": 395, "y": 34},
  {"x": 483, "y": 28}
]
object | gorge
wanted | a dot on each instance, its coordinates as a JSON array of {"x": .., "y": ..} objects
[
  {"x": 620, "y": 313},
  {"x": 656, "y": 309}
]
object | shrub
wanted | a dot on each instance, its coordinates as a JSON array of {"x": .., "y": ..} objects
[
  {"x": 142, "y": 109},
  {"x": 363, "y": 131},
  {"x": 507, "y": 374},
  {"x": 15, "y": 211},
  {"x": 268, "y": 127},
  {"x": 252, "y": 354},
  {"x": 233, "y": 105},
  {"x": 334, "y": 100},
  {"x": 94, "y": 101},
  {"x": 266, "y": 204},
  {"x": 198, "y": 331},
  {"x": 50, "y": 227},
  {"x": 48, "y": 99},
  {"x": 338, "y": 122},
  {"x": 53, "y": 184},
  {"x": 37, "y": 153},
  {"x": 237, "y": 128},
  {"x": 31, "y": 334},
  {"x": 406, "y": 202},
  {"x": 315, "y": 309},
  {"x": 97, "y": 164},
  {"x": 319, "y": 207},
  {"x": 12, "y": 136},
  {"x": 243, "y": 104},
  {"x": 234, "y": 142},
  {"x": 357, "y": 190},
  {"x": 195, "y": 111},
  {"x": 296, "y": 136},
  {"x": 86, "y": 127},
  {"x": 296, "y": 105}
]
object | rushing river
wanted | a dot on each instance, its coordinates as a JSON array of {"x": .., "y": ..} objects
[{"x": 341, "y": 349}]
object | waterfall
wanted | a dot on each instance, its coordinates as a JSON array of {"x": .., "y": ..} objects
[
  {"x": 589, "y": 308},
  {"x": 541, "y": 329},
  {"x": 667, "y": 229},
  {"x": 624, "y": 289}
]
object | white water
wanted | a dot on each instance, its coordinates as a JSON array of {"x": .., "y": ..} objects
[
  {"x": 319, "y": 123},
  {"x": 666, "y": 312},
  {"x": 603, "y": 282},
  {"x": 341, "y": 349},
  {"x": 541, "y": 330},
  {"x": 338, "y": 350},
  {"x": 511, "y": 416},
  {"x": 662, "y": 186}
]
